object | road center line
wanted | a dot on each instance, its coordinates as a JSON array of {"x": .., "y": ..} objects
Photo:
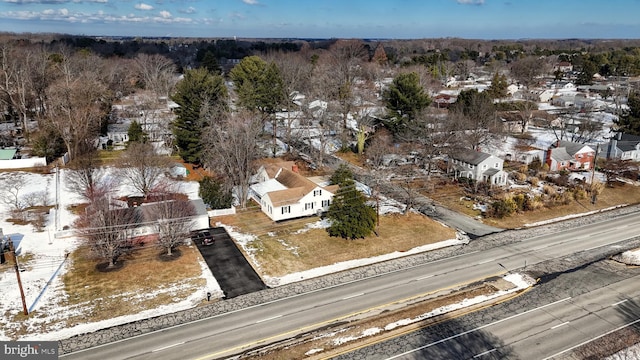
[
  {"x": 619, "y": 302},
  {"x": 476, "y": 329},
  {"x": 559, "y": 325},
  {"x": 167, "y": 347},
  {"x": 268, "y": 319},
  {"x": 486, "y": 261},
  {"x": 352, "y": 296},
  {"x": 485, "y": 353},
  {"x": 424, "y": 277}
]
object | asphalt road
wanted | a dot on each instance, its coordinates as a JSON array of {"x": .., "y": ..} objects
[
  {"x": 235, "y": 332},
  {"x": 548, "y": 322}
]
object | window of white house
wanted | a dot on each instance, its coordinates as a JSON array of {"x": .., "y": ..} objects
[
  {"x": 497, "y": 165},
  {"x": 308, "y": 206},
  {"x": 317, "y": 192},
  {"x": 270, "y": 210},
  {"x": 286, "y": 209},
  {"x": 470, "y": 166},
  {"x": 484, "y": 167},
  {"x": 325, "y": 203}
]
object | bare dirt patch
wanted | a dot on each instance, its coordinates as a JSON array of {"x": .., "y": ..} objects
[{"x": 354, "y": 333}]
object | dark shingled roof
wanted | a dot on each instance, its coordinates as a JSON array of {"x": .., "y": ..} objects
[{"x": 470, "y": 156}]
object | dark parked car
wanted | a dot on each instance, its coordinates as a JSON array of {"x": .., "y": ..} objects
[{"x": 203, "y": 236}]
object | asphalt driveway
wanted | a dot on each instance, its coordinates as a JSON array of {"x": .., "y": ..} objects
[{"x": 229, "y": 266}]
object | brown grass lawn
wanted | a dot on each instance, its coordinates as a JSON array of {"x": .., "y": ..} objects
[
  {"x": 122, "y": 292},
  {"x": 620, "y": 194},
  {"x": 286, "y": 247}
]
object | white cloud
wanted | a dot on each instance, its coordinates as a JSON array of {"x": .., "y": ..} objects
[
  {"x": 189, "y": 10},
  {"x": 471, "y": 2},
  {"x": 165, "y": 14},
  {"x": 251, "y": 2},
  {"x": 143, "y": 6}
]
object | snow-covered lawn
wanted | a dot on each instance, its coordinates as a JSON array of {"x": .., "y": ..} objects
[{"x": 44, "y": 266}]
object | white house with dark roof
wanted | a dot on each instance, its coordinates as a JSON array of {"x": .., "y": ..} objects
[
  {"x": 285, "y": 194},
  {"x": 478, "y": 166},
  {"x": 624, "y": 147}
]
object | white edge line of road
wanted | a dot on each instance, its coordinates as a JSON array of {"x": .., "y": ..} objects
[
  {"x": 476, "y": 329},
  {"x": 262, "y": 304}
]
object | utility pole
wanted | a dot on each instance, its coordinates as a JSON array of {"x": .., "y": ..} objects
[{"x": 15, "y": 261}]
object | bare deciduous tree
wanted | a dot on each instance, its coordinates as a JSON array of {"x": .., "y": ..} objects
[
  {"x": 77, "y": 104},
  {"x": 15, "y": 82},
  {"x": 157, "y": 73},
  {"x": 108, "y": 230},
  {"x": 13, "y": 184},
  {"x": 233, "y": 148},
  {"x": 142, "y": 167},
  {"x": 85, "y": 176},
  {"x": 173, "y": 217}
]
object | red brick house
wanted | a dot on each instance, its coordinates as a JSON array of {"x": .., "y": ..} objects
[{"x": 567, "y": 155}]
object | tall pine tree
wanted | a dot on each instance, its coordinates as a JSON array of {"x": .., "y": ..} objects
[
  {"x": 629, "y": 123},
  {"x": 350, "y": 216},
  {"x": 199, "y": 93}
]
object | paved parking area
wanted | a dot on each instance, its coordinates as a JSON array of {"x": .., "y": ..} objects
[{"x": 229, "y": 266}]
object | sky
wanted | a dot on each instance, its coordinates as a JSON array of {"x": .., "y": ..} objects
[{"x": 401, "y": 19}]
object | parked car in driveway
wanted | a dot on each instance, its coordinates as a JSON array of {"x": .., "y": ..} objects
[{"x": 203, "y": 237}]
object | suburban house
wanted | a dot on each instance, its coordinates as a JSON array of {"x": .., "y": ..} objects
[
  {"x": 478, "y": 166},
  {"x": 567, "y": 155},
  {"x": 563, "y": 66},
  {"x": 624, "y": 147},
  {"x": 285, "y": 194},
  {"x": 198, "y": 220},
  {"x": 11, "y": 159}
]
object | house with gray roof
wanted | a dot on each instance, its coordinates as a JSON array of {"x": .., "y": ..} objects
[
  {"x": 478, "y": 166},
  {"x": 567, "y": 155},
  {"x": 624, "y": 147}
]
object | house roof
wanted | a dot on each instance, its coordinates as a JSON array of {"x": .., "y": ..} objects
[
  {"x": 491, "y": 172},
  {"x": 572, "y": 148},
  {"x": 290, "y": 187},
  {"x": 7, "y": 154},
  {"x": 273, "y": 168},
  {"x": 560, "y": 154},
  {"x": 470, "y": 156}
]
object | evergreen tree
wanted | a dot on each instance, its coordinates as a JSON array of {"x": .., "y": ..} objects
[
  {"x": 214, "y": 193},
  {"x": 629, "y": 123},
  {"x": 404, "y": 99},
  {"x": 341, "y": 175},
  {"x": 135, "y": 132},
  {"x": 258, "y": 85},
  {"x": 350, "y": 216},
  {"x": 498, "y": 88},
  {"x": 198, "y": 94},
  {"x": 210, "y": 63}
]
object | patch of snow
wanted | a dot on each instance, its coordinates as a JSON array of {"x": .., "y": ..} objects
[
  {"x": 345, "y": 265},
  {"x": 44, "y": 288},
  {"x": 519, "y": 281},
  {"x": 314, "y": 351}
]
